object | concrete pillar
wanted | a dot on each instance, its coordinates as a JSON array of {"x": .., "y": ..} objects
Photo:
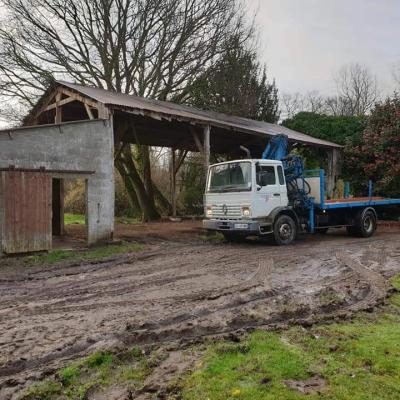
[{"x": 99, "y": 209}]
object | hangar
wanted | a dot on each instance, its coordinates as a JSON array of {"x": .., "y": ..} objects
[{"x": 74, "y": 131}]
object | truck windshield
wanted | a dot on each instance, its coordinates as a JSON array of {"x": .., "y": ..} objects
[{"x": 230, "y": 177}]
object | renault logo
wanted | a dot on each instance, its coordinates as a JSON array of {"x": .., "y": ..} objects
[{"x": 225, "y": 209}]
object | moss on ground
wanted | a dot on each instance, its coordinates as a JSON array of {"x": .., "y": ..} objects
[
  {"x": 97, "y": 371},
  {"x": 92, "y": 254}
]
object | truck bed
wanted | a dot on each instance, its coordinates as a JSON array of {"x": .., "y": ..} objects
[{"x": 357, "y": 202}]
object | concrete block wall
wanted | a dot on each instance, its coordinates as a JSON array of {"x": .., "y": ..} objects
[{"x": 76, "y": 146}]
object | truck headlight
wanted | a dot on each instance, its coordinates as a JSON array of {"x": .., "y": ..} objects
[
  {"x": 209, "y": 211},
  {"x": 246, "y": 212}
]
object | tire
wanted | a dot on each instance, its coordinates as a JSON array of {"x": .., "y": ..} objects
[
  {"x": 365, "y": 225},
  {"x": 285, "y": 230}
]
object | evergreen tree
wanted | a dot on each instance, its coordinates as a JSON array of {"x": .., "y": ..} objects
[{"x": 237, "y": 84}]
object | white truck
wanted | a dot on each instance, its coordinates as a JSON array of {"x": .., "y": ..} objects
[{"x": 264, "y": 197}]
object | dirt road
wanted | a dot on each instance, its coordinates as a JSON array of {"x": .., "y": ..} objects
[{"x": 181, "y": 290}]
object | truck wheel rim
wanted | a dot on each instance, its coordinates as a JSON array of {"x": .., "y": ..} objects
[
  {"x": 368, "y": 224},
  {"x": 285, "y": 231}
]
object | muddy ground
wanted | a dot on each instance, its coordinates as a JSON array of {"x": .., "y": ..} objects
[{"x": 182, "y": 289}]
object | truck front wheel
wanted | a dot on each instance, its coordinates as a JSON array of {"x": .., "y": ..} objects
[{"x": 285, "y": 230}]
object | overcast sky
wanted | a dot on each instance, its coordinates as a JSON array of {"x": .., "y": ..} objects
[{"x": 304, "y": 42}]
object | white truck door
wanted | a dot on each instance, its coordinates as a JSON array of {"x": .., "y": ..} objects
[
  {"x": 268, "y": 190},
  {"x": 282, "y": 186}
]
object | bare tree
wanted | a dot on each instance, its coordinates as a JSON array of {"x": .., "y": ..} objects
[
  {"x": 291, "y": 104},
  {"x": 315, "y": 102},
  {"x": 151, "y": 48},
  {"x": 338, "y": 106},
  {"x": 357, "y": 89}
]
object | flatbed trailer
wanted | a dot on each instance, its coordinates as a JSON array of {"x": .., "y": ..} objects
[
  {"x": 345, "y": 209},
  {"x": 359, "y": 202}
]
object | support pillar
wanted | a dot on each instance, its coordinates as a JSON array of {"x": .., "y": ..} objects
[
  {"x": 173, "y": 181},
  {"x": 207, "y": 131}
]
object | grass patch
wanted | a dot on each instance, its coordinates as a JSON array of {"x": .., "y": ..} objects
[
  {"x": 92, "y": 254},
  {"x": 213, "y": 237},
  {"x": 99, "y": 359},
  {"x": 69, "y": 375},
  {"x": 74, "y": 219},
  {"x": 79, "y": 219},
  {"x": 46, "y": 390},
  {"x": 96, "y": 371},
  {"x": 127, "y": 220},
  {"x": 360, "y": 360}
]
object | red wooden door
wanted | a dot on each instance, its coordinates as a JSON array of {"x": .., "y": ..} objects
[{"x": 26, "y": 203}]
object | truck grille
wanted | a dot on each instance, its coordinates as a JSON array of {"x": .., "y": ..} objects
[{"x": 225, "y": 211}]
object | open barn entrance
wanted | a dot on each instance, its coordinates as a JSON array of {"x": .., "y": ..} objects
[{"x": 69, "y": 206}]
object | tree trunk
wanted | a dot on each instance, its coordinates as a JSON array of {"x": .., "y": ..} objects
[
  {"x": 149, "y": 211},
  {"x": 146, "y": 172},
  {"x": 130, "y": 189},
  {"x": 161, "y": 200}
]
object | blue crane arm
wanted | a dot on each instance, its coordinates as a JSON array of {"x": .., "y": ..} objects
[
  {"x": 276, "y": 149},
  {"x": 298, "y": 189}
]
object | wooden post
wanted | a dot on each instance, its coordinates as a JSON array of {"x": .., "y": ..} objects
[
  {"x": 206, "y": 142},
  {"x": 58, "y": 207},
  {"x": 173, "y": 182},
  {"x": 58, "y": 117}
]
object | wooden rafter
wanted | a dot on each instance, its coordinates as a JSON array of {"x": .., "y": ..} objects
[
  {"x": 58, "y": 117},
  {"x": 60, "y": 103},
  {"x": 46, "y": 103},
  {"x": 79, "y": 97},
  {"x": 56, "y": 96},
  {"x": 89, "y": 111}
]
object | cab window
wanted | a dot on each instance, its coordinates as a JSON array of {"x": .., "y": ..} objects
[
  {"x": 265, "y": 175},
  {"x": 281, "y": 175}
]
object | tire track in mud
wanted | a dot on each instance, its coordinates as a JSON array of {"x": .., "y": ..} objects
[{"x": 181, "y": 292}]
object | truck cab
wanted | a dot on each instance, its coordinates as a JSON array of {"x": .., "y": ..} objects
[{"x": 244, "y": 197}]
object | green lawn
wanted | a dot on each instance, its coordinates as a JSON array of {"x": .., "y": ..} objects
[
  {"x": 70, "y": 219},
  {"x": 360, "y": 360}
]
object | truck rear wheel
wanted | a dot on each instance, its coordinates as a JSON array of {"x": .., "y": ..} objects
[
  {"x": 365, "y": 224},
  {"x": 285, "y": 230}
]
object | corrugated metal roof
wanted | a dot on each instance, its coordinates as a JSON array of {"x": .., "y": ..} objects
[{"x": 176, "y": 111}]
